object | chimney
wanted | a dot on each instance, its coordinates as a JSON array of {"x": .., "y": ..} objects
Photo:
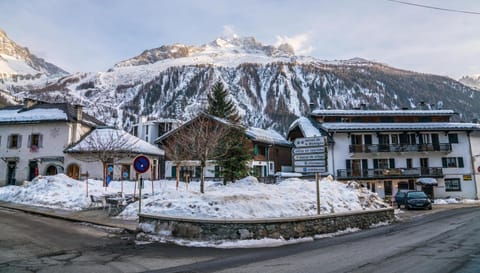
[
  {"x": 27, "y": 103},
  {"x": 79, "y": 111}
]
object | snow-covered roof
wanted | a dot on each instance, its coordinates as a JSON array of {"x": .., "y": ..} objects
[
  {"x": 424, "y": 126},
  {"x": 306, "y": 126},
  {"x": 46, "y": 112},
  {"x": 9, "y": 115},
  {"x": 335, "y": 112},
  {"x": 122, "y": 141},
  {"x": 266, "y": 136}
]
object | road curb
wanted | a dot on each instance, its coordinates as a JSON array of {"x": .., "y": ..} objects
[{"x": 65, "y": 217}]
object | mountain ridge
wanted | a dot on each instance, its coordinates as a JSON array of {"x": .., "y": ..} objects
[{"x": 270, "y": 85}]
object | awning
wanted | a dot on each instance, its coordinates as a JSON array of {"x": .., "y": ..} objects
[{"x": 427, "y": 181}]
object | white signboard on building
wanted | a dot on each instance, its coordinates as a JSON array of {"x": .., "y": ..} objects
[
  {"x": 315, "y": 150},
  {"x": 309, "y": 142},
  {"x": 309, "y": 155},
  {"x": 310, "y": 169}
]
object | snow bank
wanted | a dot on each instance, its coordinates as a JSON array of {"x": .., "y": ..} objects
[{"x": 249, "y": 199}]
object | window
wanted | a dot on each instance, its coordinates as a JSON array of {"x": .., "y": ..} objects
[
  {"x": 409, "y": 163},
  {"x": 14, "y": 141},
  {"x": 453, "y": 184},
  {"x": 394, "y": 139},
  {"x": 452, "y": 162},
  {"x": 35, "y": 142},
  {"x": 384, "y": 163},
  {"x": 453, "y": 138}
]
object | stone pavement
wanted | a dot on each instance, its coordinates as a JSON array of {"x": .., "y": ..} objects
[{"x": 93, "y": 216}]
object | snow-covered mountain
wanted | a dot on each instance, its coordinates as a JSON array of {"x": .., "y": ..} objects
[
  {"x": 20, "y": 68},
  {"x": 472, "y": 81},
  {"x": 270, "y": 85}
]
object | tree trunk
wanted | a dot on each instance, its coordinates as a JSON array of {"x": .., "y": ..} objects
[
  {"x": 177, "y": 173},
  {"x": 104, "y": 174},
  {"x": 202, "y": 177}
]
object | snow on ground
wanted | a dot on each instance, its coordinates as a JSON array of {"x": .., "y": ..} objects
[
  {"x": 249, "y": 199},
  {"x": 244, "y": 199}
]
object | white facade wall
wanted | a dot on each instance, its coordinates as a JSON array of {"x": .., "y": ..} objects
[
  {"x": 95, "y": 169},
  {"x": 475, "y": 147},
  {"x": 339, "y": 152},
  {"x": 55, "y": 138}
]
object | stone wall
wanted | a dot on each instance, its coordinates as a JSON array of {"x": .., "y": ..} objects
[{"x": 240, "y": 229}]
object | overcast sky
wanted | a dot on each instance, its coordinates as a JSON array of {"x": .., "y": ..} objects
[{"x": 89, "y": 35}]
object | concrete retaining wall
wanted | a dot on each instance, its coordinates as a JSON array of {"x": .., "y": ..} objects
[{"x": 240, "y": 229}]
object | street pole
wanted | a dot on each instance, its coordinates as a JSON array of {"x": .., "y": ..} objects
[
  {"x": 140, "y": 196},
  {"x": 318, "y": 192}
]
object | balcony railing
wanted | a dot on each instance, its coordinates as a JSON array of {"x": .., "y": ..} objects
[
  {"x": 389, "y": 173},
  {"x": 392, "y": 148}
]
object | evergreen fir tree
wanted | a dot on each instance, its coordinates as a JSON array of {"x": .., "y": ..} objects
[
  {"x": 233, "y": 147},
  {"x": 220, "y": 105}
]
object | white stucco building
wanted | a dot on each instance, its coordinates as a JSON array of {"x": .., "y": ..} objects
[
  {"x": 33, "y": 137},
  {"x": 391, "y": 150}
]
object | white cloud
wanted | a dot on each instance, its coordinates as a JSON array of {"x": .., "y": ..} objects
[
  {"x": 229, "y": 31},
  {"x": 300, "y": 43}
]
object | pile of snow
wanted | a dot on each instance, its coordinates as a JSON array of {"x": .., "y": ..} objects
[
  {"x": 249, "y": 199},
  {"x": 244, "y": 199},
  {"x": 58, "y": 191}
]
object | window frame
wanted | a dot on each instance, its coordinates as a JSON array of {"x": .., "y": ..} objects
[{"x": 453, "y": 188}]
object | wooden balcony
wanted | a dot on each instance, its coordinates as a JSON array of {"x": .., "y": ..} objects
[
  {"x": 396, "y": 173},
  {"x": 400, "y": 148}
]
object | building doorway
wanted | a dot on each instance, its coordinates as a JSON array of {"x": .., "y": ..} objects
[
  {"x": 73, "y": 171},
  {"x": 11, "y": 169},
  {"x": 32, "y": 169},
  {"x": 51, "y": 170}
]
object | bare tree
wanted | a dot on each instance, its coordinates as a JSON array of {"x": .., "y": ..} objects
[
  {"x": 105, "y": 145},
  {"x": 198, "y": 141}
]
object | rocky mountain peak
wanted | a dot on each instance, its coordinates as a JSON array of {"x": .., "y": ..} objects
[
  {"x": 472, "y": 81},
  {"x": 17, "y": 60}
]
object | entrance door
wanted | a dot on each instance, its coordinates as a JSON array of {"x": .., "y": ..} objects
[
  {"x": 428, "y": 190},
  {"x": 11, "y": 167},
  {"x": 356, "y": 167},
  {"x": 32, "y": 170}
]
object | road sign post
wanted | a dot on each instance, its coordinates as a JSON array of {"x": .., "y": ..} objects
[
  {"x": 141, "y": 164},
  {"x": 309, "y": 155}
]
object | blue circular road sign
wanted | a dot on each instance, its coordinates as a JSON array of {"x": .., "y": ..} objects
[{"x": 141, "y": 164}]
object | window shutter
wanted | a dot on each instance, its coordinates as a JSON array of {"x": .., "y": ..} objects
[
  {"x": 392, "y": 163},
  {"x": 9, "y": 141},
  {"x": 460, "y": 162},
  {"x": 348, "y": 164},
  {"x": 364, "y": 164},
  {"x": 19, "y": 141},
  {"x": 255, "y": 149},
  {"x": 29, "y": 143},
  {"x": 444, "y": 162},
  {"x": 375, "y": 163},
  {"x": 40, "y": 141}
]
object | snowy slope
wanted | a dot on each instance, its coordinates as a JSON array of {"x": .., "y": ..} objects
[
  {"x": 271, "y": 85},
  {"x": 472, "y": 81},
  {"x": 21, "y": 69}
]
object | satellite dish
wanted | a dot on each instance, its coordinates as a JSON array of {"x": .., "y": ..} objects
[{"x": 439, "y": 105}]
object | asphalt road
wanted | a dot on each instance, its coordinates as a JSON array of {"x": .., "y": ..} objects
[{"x": 446, "y": 241}]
